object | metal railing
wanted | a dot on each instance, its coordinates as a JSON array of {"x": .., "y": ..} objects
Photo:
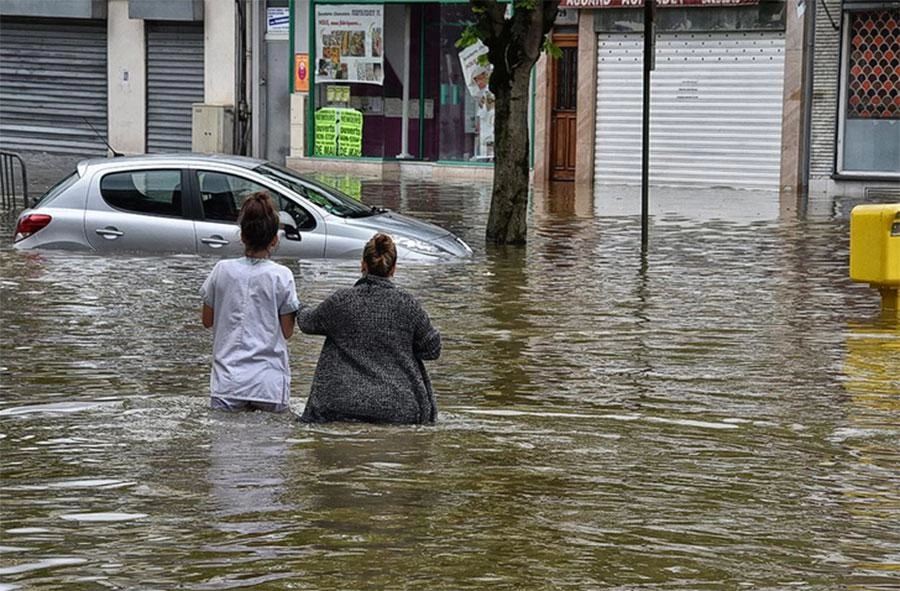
[{"x": 9, "y": 187}]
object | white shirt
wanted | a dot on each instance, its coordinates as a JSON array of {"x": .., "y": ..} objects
[{"x": 250, "y": 355}]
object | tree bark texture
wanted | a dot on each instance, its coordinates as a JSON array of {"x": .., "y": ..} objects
[
  {"x": 507, "y": 222},
  {"x": 514, "y": 46}
]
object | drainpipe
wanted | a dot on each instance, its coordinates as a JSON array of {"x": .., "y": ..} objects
[
  {"x": 241, "y": 57},
  {"x": 404, "y": 125}
]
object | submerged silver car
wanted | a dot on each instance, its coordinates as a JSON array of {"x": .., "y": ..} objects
[{"x": 188, "y": 203}]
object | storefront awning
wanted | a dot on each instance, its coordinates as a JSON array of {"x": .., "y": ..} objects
[{"x": 659, "y": 3}]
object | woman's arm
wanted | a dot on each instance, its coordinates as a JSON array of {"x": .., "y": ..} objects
[
  {"x": 311, "y": 319},
  {"x": 427, "y": 339},
  {"x": 287, "y": 324},
  {"x": 208, "y": 316},
  {"x": 321, "y": 319}
]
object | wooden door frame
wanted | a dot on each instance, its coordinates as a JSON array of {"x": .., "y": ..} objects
[
  {"x": 567, "y": 41},
  {"x": 546, "y": 73}
]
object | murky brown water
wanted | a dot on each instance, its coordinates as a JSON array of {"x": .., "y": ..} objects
[{"x": 725, "y": 416}]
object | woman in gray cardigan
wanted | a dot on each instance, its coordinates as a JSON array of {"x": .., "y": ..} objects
[{"x": 376, "y": 337}]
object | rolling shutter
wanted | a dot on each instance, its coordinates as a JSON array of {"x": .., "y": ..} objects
[
  {"x": 174, "y": 84},
  {"x": 715, "y": 113},
  {"x": 53, "y": 86}
]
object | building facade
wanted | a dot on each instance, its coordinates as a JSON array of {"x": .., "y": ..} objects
[
  {"x": 773, "y": 95},
  {"x": 79, "y": 74},
  {"x": 747, "y": 94}
]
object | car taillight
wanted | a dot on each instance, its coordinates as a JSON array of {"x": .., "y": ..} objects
[{"x": 31, "y": 223}]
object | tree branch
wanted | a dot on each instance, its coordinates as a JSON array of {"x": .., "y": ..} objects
[{"x": 492, "y": 15}]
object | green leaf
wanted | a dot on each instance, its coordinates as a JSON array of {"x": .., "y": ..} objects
[
  {"x": 469, "y": 36},
  {"x": 550, "y": 49}
]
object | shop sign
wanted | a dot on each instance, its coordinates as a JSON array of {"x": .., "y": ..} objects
[
  {"x": 350, "y": 43},
  {"x": 659, "y": 3},
  {"x": 566, "y": 16}
]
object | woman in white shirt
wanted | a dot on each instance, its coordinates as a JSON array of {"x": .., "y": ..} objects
[{"x": 251, "y": 303}]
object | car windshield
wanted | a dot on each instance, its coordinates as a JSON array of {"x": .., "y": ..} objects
[
  {"x": 57, "y": 189},
  {"x": 329, "y": 199}
]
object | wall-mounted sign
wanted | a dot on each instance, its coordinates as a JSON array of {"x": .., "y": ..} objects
[
  {"x": 566, "y": 16},
  {"x": 278, "y": 20},
  {"x": 301, "y": 72},
  {"x": 350, "y": 43}
]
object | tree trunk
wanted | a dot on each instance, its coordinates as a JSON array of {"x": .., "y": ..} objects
[
  {"x": 509, "y": 198},
  {"x": 514, "y": 40}
]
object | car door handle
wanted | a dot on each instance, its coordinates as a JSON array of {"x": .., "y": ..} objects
[
  {"x": 109, "y": 232},
  {"x": 214, "y": 241}
]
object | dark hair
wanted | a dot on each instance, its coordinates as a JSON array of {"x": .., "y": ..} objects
[
  {"x": 259, "y": 221},
  {"x": 380, "y": 255}
]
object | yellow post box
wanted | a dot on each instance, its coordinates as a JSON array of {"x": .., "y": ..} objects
[{"x": 875, "y": 250}]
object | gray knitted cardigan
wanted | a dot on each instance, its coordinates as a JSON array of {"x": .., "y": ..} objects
[{"x": 370, "y": 368}]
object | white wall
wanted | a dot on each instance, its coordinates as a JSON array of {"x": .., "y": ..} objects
[
  {"x": 219, "y": 52},
  {"x": 126, "y": 80}
]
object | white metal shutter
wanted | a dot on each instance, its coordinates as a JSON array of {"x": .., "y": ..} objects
[
  {"x": 715, "y": 111},
  {"x": 174, "y": 84},
  {"x": 53, "y": 86}
]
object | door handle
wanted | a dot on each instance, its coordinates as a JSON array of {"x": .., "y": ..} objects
[
  {"x": 109, "y": 232},
  {"x": 214, "y": 241}
]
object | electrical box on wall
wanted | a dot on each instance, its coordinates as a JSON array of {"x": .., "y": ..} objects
[{"x": 212, "y": 129}]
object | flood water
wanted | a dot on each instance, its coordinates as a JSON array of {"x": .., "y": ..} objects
[{"x": 724, "y": 414}]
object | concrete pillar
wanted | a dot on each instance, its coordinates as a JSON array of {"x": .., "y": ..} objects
[
  {"x": 219, "y": 59},
  {"x": 126, "y": 80},
  {"x": 542, "y": 120},
  {"x": 794, "y": 153},
  {"x": 586, "y": 100}
]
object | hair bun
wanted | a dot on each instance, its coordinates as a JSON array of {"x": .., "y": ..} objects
[{"x": 382, "y": 242}]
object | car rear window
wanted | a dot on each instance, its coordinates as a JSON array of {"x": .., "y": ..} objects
[{"x": 57, "y": 189}]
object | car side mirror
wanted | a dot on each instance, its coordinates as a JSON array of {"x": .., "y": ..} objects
[{"x": 288, "y": 225}]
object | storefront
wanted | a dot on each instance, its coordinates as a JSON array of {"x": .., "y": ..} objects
[
  {"x": 855, "y": 121},
  {"x": 716, "y": 93},
  {"x": 869, "y": 94},
  {"x": 386, "y": 82}
]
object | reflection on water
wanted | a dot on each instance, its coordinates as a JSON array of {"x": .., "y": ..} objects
[{"x": 722, "y": 414}]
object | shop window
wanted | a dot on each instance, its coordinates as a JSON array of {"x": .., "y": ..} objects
[
  {"x": 871, "y": 92},
  {"x": 358, "y": 99}
]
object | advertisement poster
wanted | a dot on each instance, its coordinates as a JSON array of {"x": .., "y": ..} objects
[
  {"x": 301, "y": 72},
  {"x": 350, "y": 43},
  {"x": 477, "y": 77},
  {"x": 338, "y": 132}
]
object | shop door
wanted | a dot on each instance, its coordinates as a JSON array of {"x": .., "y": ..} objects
[{"x": 564, "y": 92}]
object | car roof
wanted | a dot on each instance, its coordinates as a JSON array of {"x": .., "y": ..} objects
[{"x": 177, "y": 159}]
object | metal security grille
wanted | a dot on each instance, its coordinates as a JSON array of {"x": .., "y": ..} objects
[
  {"x": 715, "y": 115},
  {"x": 53, "y": 86},
  {"x": 873, "y": 80},
  {"x": 174, "y": 84}
]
